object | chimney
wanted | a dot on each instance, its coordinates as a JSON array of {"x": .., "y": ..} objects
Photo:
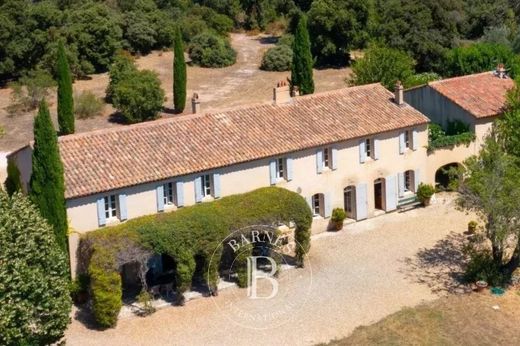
[
  {"x": 501, "y": 71},
  {"x": 282, "y": 93},
  {"x": 399, "y": 93},
  {"x": 195, "y": 103}
]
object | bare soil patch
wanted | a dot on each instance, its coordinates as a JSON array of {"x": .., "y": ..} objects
[{"x": 241, "y": 84}]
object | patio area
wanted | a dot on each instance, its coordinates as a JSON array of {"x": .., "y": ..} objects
[{"x": 357, "y": 276}]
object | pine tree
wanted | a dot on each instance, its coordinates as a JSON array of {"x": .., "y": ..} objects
[
  {"x": 301, "y": 73},
  {"x": 179, "y": 74},
  {"x": 47, "y": 183},
  {"x": 65, "y": 100}
]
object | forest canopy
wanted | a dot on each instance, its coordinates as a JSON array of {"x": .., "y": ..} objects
[{"x": 94, "y": 30}]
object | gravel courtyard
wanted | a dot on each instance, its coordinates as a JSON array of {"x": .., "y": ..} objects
[{"x": 356, "y": 277}]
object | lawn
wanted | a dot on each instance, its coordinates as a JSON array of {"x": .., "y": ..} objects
[{"x": 454, "y": 320}]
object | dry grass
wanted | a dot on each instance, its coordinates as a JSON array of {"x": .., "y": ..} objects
[
  {"x": 240, "y": 84},
  {"x": 454, "y": 320}
]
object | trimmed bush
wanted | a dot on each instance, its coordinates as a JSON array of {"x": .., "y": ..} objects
[
  {"x": 425, "y": 192},
  {"x": 338, "y": 216},
  {"x": 278, "y": 58},
  {"x": 210, "y": 50},
  {"x": 195, "y": 231},
  {"x": 87, "y": 105}
]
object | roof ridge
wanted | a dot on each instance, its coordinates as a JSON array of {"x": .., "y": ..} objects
[
  {"x": 467, "y": 76},
  {"x": 187, "y": 117}
]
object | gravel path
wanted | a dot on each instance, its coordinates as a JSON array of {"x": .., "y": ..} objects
[{"x": 356, "y": 277}]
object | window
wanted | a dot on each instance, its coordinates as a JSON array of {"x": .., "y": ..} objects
[
  {"x": 169, "y": 196},
  {"x": 206, "y": 185},
  {"x": 408, "y": 181},
  {"x": 326, "y": 158},
  {"x": 110, "y": 206},
  {"x": 317, "y": 204},
  {"x": 280, "y": 168},
  {"x": 368, "y": 147},
  {"x": 407, "y": 139}
]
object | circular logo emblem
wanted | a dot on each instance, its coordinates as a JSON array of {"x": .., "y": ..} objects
[{"x": 261, "y": 260}]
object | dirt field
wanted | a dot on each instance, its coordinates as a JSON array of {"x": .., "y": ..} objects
[
  {"x": 239, "y": 84},
  {"x": 475, "y": 319}
]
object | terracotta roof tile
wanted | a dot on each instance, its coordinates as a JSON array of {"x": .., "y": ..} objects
[
  {"x": 114, "y": 158},
  {"x": 483, "y": 94}
]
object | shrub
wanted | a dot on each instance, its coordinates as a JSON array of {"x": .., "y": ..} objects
[
  {"x": 34, "y": 284},
  {"x": 210, "y": 50},
  {"x": 278, "y": 58},
  {"x": 241, "y": 265},
  {"x": 195, "y": 231},
  {"x": 145, "y": 299},
  {"x": 87, "y": 105},
  {"x": 425, "y": 192},
  {"x": 29, "y": 91},
  {"x": 139, "y": 96},
  {"x": 106, "y": 296},
  {"x": 338, "y": 216},
  {"x": 421, "y": 79},
  {"x": 482, "y": 267},
  {"x": 457, "y": 133},
  {"x": 13, "y": 182},
  {"x": 472, "y": 226},
  {"x": 79, "y": 288}
]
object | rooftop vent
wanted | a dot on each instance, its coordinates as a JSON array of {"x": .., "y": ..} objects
[
  {"x": 501, "y": 71},
  {"x": 282, "y": 93},
  {"x": 195, "y": 103}
]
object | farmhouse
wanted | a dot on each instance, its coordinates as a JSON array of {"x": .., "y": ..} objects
[{"x": 362, "y": 148}]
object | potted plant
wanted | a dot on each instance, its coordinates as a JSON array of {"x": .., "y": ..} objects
[
  {"x": 338, "y": 216},
  {"x": 472, "y": 227},
  {"x": 425, "y": 193}
]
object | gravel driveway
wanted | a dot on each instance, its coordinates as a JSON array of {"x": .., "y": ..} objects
[{"x": 371, "y": 269}]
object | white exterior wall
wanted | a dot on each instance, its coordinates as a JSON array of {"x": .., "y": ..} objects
[{"x": 240, "y": 178}]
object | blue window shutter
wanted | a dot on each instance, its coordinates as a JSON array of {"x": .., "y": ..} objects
[
  {"x": 417, "y": 179},
  {"x": 272, "y": 172},
  {"x": 391, "y": 193},
  {"x": 160, "y": 197},
  {"x": 400, "y": 183},
  {"x": 216, "y": 185},
  {"x": 415, "y": 139},
  {"x": 361, "y": 202},
  {"x": 179, "y": 192},
  {"x": 102, "y": 220},
  {"x": 376, "y": 149},
  {"x": 334, "y": 158},
  {"x": 402, "y": 144},
  {"x": 289, "y": 164},
  {"x": 327, "y": 207},
  {"x": 198, "y": 189},
  {"x": 123, "y": 212},
  {"x": 319, "y": 161},
  {"x": 362, "y": 151}
]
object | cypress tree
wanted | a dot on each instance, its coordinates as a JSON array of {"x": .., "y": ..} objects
[
  {"x": 301, "y": 72},
  {"x": 47, "y": 182},
  {"x": 179, "y": 74},
  {"x": 65, "y": 100}
]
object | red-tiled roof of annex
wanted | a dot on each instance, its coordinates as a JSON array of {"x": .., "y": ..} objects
[
  {"x": 482, "y": 95},
  {"x": 109, "y": 159}
]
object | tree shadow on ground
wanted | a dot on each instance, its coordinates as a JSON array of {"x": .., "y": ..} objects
[
  {"x": 441, "y": 267},
  {"x": 268, "y": 39}
]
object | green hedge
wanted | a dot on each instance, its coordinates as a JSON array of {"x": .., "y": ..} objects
[{"x": 185, "y": 234}]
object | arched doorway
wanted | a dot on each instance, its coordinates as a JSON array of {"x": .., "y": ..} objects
[
  {"x": 349, "y": 200},
  {"x": 447, "y": 177}
]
